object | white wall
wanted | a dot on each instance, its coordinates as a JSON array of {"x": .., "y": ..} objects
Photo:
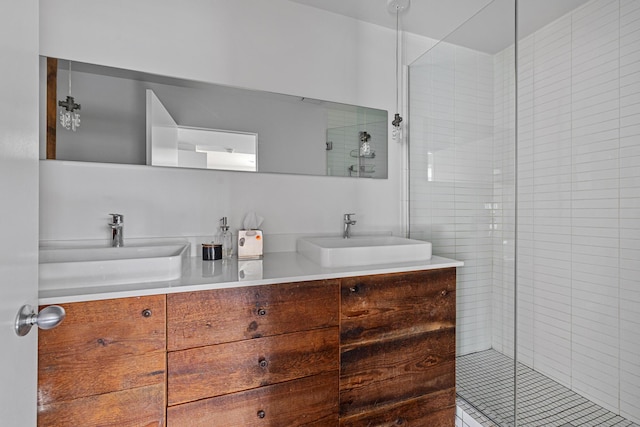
[
  {"x": 277, "y": 46},
  {"x": 579, "y": 203}
]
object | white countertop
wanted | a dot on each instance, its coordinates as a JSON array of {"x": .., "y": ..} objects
[{"x": 198, "y": 275}]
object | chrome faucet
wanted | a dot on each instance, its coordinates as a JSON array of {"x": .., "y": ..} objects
[
  {"x": 348, "y": 222},
  {"x": 117, "y": 225}
]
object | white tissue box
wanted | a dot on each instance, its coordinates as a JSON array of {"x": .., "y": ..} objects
[{"x": 249, "y": 244}]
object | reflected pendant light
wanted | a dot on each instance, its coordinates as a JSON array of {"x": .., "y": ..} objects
[
  {"x": 69, "y": 116},
  {"x": 396, "y": 7}
]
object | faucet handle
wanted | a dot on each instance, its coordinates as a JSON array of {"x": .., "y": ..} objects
[
  {"x": 348, "y": 220},
  {"x": 117, "y": 218}
]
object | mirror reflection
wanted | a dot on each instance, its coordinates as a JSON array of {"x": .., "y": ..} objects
[{"x": 139, "y": 118}]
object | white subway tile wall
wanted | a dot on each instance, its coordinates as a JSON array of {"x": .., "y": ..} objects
[
  {"x": 629, "y": 209},
  {"x": 577, "y": 312},
  {"x": 578, "y": 195}
]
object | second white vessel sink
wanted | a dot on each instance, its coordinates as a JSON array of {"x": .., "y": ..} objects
[
  {"x": 333, "y": 252},
  {"x": 64, "y": 267}
]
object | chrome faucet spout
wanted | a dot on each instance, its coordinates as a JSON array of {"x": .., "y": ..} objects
[
  {"x": 117, "y": 230},
  {"x": 348, "y": 222}
]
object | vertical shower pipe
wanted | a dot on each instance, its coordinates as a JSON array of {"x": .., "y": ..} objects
[
  {"x": 515, "y": 224},
  {"x": 396, "y": 7}
]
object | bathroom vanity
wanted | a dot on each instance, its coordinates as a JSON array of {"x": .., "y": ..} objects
[{"x": 341, "y": 347}]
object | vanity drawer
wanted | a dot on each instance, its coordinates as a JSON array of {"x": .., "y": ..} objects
[
  {"x": 390, "y": 371},
  {"x": 101, "y": 347},
  {"x": 141, "y": 406},
  {"x": 390, "y": 305},
  {"x": 433, "y": 410},
  {"x": 220, "y": 369},
  {"x": 310, "y": 401},
  {"x": 203, "y": 318}
]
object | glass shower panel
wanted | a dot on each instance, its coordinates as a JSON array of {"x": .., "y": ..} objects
[
  {"x": 534, "y": 182},
  {"x": 462, "y": 193}
]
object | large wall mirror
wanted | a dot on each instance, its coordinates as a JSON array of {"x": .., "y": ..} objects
[{"x": 139, "y": 118}]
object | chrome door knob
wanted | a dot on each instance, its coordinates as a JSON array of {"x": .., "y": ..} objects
[{"x": 48, "y": 318}]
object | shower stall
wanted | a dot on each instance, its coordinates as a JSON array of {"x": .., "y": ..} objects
[{"x": 524, "y": 162}]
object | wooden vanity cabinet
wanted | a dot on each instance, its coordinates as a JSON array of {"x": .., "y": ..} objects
[
  {"x": 105, "y": 365},
  {"x": 397, "y": 349},
  {"x": 261, "y": 355},
  {"x": 361, "y": 351}
]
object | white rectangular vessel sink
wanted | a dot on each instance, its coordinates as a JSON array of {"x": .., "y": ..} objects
[
  {"x": 335, "y": 252},
  {"x": 64, "y": 267}
]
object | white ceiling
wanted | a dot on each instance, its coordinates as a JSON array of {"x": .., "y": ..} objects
[{"x": 491, "y": 30}]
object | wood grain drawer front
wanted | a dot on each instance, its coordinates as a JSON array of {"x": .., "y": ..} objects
[
  {"x": 310, "y": 401},
  {"x": 224, "y": 315},
  {"x": 142, "y": 406},
  {"x": 103, "y": 346},
  {"x": 377, "y": 307},
  {"x": 433, "y": 410},
  {"x": 390, "y": 371},
  {"x": 226, "y": 368}
]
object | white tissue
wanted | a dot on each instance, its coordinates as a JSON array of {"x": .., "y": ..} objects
[{"x": 252, "y": 221}]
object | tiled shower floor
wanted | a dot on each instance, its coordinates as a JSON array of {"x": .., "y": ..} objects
[{"x": 485, "y": 381}]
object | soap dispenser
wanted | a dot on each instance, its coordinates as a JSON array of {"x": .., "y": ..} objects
[{"x": 225, "y": 238}]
